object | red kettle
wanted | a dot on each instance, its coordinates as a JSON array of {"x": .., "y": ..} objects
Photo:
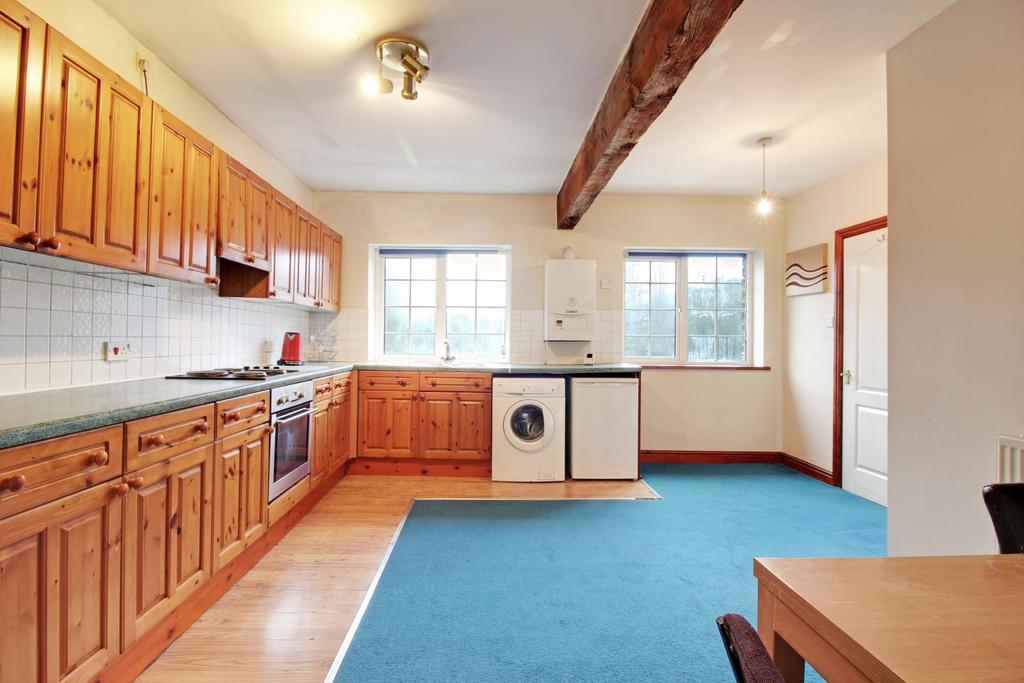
[{"x": 291, "y": 349}]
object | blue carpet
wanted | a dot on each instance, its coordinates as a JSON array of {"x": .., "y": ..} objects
[{"x": 595, "y": 590}]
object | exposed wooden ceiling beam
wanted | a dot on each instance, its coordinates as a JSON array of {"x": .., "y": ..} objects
[{"x": 671, "y": 37}]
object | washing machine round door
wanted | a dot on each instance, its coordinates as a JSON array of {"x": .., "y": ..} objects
[{"x": 529, "y": 425}]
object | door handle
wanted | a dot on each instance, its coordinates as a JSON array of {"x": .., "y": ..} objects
[{"x": 847, "y": 375}]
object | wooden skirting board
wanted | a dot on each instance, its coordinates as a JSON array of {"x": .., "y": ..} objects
[
  {"x": 140, "y": 654},
  {"x": 421, "y": 467},
  {"x": 774, "y": 457}
]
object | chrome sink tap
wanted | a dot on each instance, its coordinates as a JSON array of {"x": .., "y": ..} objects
[{"x": 447, "y": 357}]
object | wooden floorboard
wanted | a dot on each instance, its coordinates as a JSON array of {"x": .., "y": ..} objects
[{"x": 286, "y": 618}]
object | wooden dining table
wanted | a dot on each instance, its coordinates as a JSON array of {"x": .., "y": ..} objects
[{"x": 931, "y": 619}]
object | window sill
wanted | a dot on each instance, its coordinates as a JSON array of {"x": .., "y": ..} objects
[{"x": 689, "y": 366}]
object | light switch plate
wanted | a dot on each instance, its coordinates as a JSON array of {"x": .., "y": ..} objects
[{"x": 830, "y": 321}]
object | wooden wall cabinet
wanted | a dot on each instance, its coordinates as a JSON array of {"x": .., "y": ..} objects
[
  {"x": 329, "y": 297},
  {"x": 22, "y": 46},
  {"x": 433, "y": 422},
  {"x": 94, "y": 161},
  {"x": 183, "y": 204},
  {"x": 167, "y": 526},
  {"x": 239, "y": 492},
  {"x": 244, "y": 233},
  {"x": 283, "y": 217},
  {"x": 60, "y": 565}
]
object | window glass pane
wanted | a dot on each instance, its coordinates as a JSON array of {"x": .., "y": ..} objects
[
  {"x": 701, "y": 296},
  {"x": 490, "y": 267},
  {"x": 396, "y": 343},
  {"x": 423, "y": 269},
  {"x": 731, "y": 296},
  {"x": 663, "y": 271},
  {"x": 638, "y": 271},
  {"x": 663, "y": 296},
  {"x": 396, "y": 293},
  {"x": 396, "y": 320},
  {"x": 732, "y": 349},
  {"x": 636, "y": 322},
  {"x": 700, "y": 349},
  {"x": 663, "y": 347},
  {"x": 421, "y": 344},
  {"x": 490, "y": 293},
  {"x": 462, "y": 344},
  {"x": 422, "y": 320},
  {"x": 461, "y": 266},
  {"x": 637, "y": 346},
  {"x": 731, "y": 269},
  {"x": 461, "y": 320},
  {"x": 490, "y": 321},
  {"x": 461, "y": 293},
  {"x": 424, "y": 293},
  {"x": 663, "y": 323},
  {"x": 638, "y": 296},
  {"x": 489, "y": 345},
  {"x": 700, "y": 268},
  {"x": 731, "y": 322},
  {"x": 396, "y": 268},
  {"x": 700, "y": 322}
]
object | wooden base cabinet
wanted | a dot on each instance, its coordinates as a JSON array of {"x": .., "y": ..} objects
[
  {"x": 239, "y": 492},
  {"x": 388, "y": 421},
  {"x": 168, "y": 521},
  {"x": 60, "y": 587}
]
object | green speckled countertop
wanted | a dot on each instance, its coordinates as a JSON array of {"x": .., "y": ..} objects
[{"x": 47, "y": 414}]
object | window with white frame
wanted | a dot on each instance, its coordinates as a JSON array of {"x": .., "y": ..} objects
[
  {"x": 686, "y": 307},
  {"x": 426, "y": 296}
]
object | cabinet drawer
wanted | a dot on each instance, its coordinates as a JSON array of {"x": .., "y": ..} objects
[
  {"x": 238, "y": 414},
  {"x": 455, "y": 381},
  {"x": 377, "y": 379},
  {"x": 341, "y": 383},
  {"x": 39, "y": 472},
  {"x": 152, "y": 439},
  {"x": 322, "y": 389}
]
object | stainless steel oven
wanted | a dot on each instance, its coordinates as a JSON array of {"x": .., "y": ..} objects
[{"x": 291, "y": 445}]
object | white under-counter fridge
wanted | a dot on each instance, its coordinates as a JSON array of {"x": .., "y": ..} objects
[{"x": 605, "y": 431}]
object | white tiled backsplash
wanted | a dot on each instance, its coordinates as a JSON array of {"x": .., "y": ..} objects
[
  {"x": 56, "y": 315},
  {"x": 350, "y": 329}
]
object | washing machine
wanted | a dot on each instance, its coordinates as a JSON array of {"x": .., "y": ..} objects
[{"x": 528, "y": 432}]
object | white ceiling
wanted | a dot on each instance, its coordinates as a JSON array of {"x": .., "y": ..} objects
[{"x": 514, "y": 86}]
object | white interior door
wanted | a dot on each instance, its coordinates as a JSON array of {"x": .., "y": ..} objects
[{"x": 866, "y": 366}]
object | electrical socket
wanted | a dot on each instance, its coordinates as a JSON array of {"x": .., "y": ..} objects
[{"x": 117, "y": 350}]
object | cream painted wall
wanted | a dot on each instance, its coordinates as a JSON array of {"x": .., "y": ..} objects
[
  {"x": 682, "y": 409},
  {"x": 88, "y": 25},
  {"x": 812, "y": 217},
  {"x": 956, "y": 168}
]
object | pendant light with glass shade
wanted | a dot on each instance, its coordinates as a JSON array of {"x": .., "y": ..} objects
[{"x": 764, "y": 204}]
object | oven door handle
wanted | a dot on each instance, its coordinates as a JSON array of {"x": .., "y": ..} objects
[{"x": 288, "y": 417}]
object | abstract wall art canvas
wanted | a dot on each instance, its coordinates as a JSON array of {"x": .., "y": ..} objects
[{"x": 807, "y": 270}]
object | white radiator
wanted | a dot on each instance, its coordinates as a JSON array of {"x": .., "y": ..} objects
[{"x": 1011, "y": 458}]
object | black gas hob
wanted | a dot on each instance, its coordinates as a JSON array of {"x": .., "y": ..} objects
[{"x": 244, "y": 372}]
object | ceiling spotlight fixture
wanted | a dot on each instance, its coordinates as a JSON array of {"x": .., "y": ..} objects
[
  {"x": 764, "y": 204},
  {"x": 404, "y": 55}
]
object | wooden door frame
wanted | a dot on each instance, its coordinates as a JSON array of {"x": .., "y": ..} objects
[{"x": 837, "y": 383}]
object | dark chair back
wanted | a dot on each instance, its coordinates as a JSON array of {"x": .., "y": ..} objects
[
  {"x": 750, "y": 660},
  {"x": 1005, "y": 503}
]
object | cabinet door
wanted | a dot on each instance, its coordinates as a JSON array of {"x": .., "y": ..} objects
[
  {"x": 183, "y": 205},
  {"x": 345, "y": 428},
  {"x": 282, "y": 273},
  {"x": 388, "y": 424},
  {"x": 313, "y": 263},
  {"x": 338, "y": 427},
  {"x": 300, "y": 258},
  {"x": 94, "y": 160},
  {"x": 472, "y": 426},
  {"x": 321, "y": 442},
  {"x": 436, "y": 436},
  {"x": 167, "y": 528},
  {"x": 231, "y": 229},
  {"x": 22, "y": 43},
  {"x": 330, "y": 275},
  {"x": 240, "y": 490},
  {"x": 258, "y": 237},
  {"x": 60, "y": 565}
]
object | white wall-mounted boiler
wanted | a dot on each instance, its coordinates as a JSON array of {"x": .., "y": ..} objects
[{"x": 570, "y": 300}]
